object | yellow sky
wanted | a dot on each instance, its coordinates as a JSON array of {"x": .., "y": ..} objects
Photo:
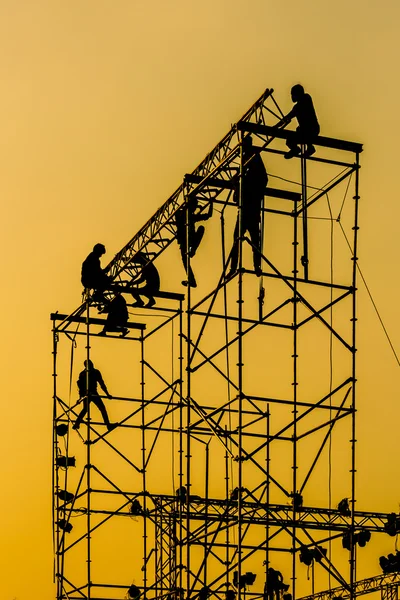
[{"x": 104, "y": 107}]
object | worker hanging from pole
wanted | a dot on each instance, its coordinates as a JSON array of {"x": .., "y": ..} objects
[
  {"x": 308, "y": 126},
  {"x": 189, "y": 240},
  {"x": 148, "y": 276},
  {"x": 254, "y": 182}
]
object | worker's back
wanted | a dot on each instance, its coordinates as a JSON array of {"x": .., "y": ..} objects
[{"x": 88, "y": 380}]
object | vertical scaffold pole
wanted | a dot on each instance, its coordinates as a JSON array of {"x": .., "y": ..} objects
[
  {"x": 188, "y": 398},
  {"x": 295, "y": 384},
  {"x": 206, "y": 496},
  {"x": 267, "y": 499},
  {"x": 240, "y": 372},
  {"x": 304, "y": 258},
  {"x": 56, "y": 485},
  {"x": 353, "y": 573},
  {"x": 227, "y": 537},
  {"x": 88, "y": 453},
  {"x": 143, "y": 399},
  {"x": 180, "y": 514}
]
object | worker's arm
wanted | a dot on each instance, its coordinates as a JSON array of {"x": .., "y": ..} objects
[
  {"x": 138, "y": 279},
  {"x": 101, "y": 383},
  {"x": 81, "y": 387},
  {"x": 287, "y": 118},
  {"x": 204, "y": 216}
]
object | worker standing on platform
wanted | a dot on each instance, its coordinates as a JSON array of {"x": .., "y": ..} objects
[
  {"x": 87, "y": 386},
  {"x": 93, "y": 276},
  {"x": 274, "y": 585},
  {"x": 117, "y": 317},
  {"x": 254, "y": 182},
  {"x": 189, "y": 237},
  {"x": 308, "y": 129},
  {"x": 149, "y": 276}
]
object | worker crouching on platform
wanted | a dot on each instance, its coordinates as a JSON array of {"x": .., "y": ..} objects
[
  {"x": 308, "y": 129},
  {"x": 117, "y": 317}
]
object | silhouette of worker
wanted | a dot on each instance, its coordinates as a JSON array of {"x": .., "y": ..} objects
[
  {"x": 149, "y": 276},
  {"x": 189, "y": 237},
  {"x": 93, "y": 276},
  {"x": 117, "y": 317},
  {"x": 308, "y": 129},
  {"x": 87, "y": 386},
  {"x": 344, "y": 508},
  {"x": 254, "y": 182},
  {"x": 274, "y": 585}
]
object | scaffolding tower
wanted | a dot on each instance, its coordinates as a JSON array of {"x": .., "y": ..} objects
[{"x": 236, "y": 433}]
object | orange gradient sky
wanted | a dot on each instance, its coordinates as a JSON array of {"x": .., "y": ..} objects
[{"x": 105, "y": 105}]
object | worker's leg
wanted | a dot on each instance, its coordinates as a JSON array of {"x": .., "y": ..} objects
[
  {"x": 191, "y": 280},
  {"x": 294, "y": 149},
  {"x": 190, "y": 275},
  {"x": 292, "y": 144},
  {"x": 195, "y": 240},
  {"x": 101, "y": 284},
  {"x": 253, "y": 226},
  {"x": 95, "y": 398},
  {"x": 149, "y": 292},
  {"x": 307, "y": 138},
  {"x": 234, "y": 257},
  {"x": 81, "y": 414},
  {"x": 136, "y": 296}
]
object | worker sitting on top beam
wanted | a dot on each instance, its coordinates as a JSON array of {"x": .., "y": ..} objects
[
  {"x": 308, "y": 129},
  {"x": 93, "y": 276}
]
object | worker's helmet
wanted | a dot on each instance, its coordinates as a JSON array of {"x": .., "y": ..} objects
[
  {"x": 248, "y": 140},
  {"x": 297, "y": 91},
  {"x": 140, "y": 257},
  {"x": 99, "y": 249}
]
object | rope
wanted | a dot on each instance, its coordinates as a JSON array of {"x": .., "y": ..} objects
[
  {"x": 173, "y": 412},
  {"x": 372, "y": 300},
  {"x": 358, "y": 266},
  {"x": 226, "y": 341},
  {"x": 345, "y": 197}
]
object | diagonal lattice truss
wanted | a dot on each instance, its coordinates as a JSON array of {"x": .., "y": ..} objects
[{"x": 387, "y": 584}]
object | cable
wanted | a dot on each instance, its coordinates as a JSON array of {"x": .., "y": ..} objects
[
  {"x": 226, "y": 339},
  {"x": 173, "y": 412},
  {"x": 308, "y": 186},
  {"x": 372, "y": 300},
  {"x": 345, "y": 197}
]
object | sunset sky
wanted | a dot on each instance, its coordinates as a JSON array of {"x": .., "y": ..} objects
[{"x": 105, "y": 105}]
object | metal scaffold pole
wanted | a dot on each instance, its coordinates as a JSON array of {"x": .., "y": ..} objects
[
  {"x": 353, "y": 565},
  {"x": 295, "y": 379}
]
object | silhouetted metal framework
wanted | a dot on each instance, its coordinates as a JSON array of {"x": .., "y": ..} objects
[
  {"x": 387, "y": 584},
  {"x": 215, "y": 451}
]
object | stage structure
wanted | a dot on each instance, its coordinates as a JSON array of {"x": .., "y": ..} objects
[{"x": 235, "y": 400}]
